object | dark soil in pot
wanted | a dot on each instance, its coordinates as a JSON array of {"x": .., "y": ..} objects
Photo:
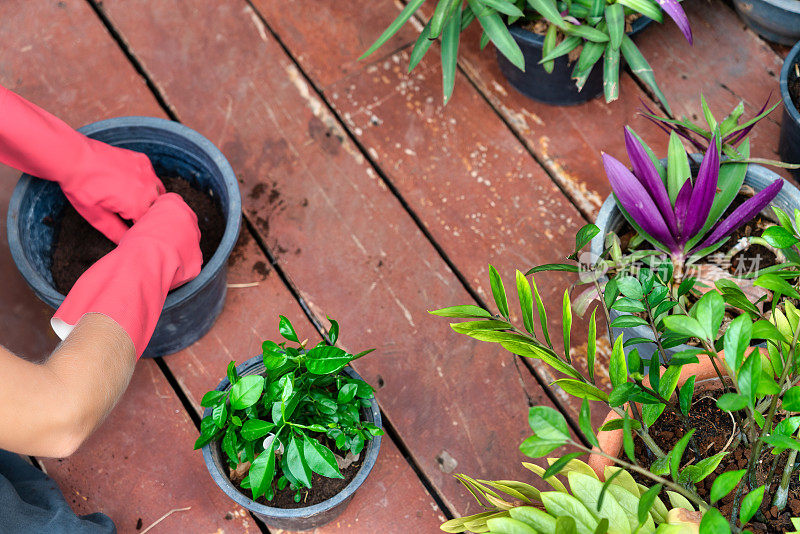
[
  {"x": 713, "y": 433},
  {"x": 78, "y": 245},
  {"x": 794, "y": 84},
  {"x": 322, "y": 488}
]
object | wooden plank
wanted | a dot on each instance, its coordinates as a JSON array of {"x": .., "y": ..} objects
[
  {"x": 472, "y": 183},
  {"x": 140, "y": 464},
  {"x": 342, "y": 237}
]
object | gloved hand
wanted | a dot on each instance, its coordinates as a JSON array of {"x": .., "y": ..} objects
[
  {"x": 105, "y": 184},
  {"x": 130, "y": 284}
]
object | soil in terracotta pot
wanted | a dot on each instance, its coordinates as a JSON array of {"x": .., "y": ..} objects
[
  {"x": 322, "y": 488},
  {"x": 794, "y": 84},
  {"x": 77, "y": 245},
  {"x": 713, "y": 430}
]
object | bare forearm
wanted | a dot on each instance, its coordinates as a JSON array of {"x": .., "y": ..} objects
[{"x": 49, "y": 409}]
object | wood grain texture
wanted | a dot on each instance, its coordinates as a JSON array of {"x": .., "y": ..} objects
[
  {"x": 342, "y": 237},
  {"x": 474, "y": 186}
]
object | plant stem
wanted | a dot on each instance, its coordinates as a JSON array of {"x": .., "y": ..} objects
[
  {"x": 691, "y": 495},
  {"x": 782, "y": 494}
]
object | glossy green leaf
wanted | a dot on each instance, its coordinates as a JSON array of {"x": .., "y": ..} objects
[
  {"x": 559, "y": 464},
  {"x": 324, "y": 360},
  {"x": 550, "y": 41},
  {"x": 582, "y": 390},
  {"x": 776, "y": 284},
  {"x": 542, "y": 312},
  {"x": 320, "y": 458},
  {"x": 212, "y": 398},
  {"x": 725, "y": 483},
  {"x": 686, "y": 394},
  {"x": 714, "y": 523},
  {"x": 566, "y": 323},
  {"x": 791, "y": 399},
  {"x": 508, "y": 525},
  {"x": 563, "y": 48},
  {"x": 421, "y": 47},
  {"x": 497, "y": 30},
  {"x": 525, "y": 301},
  {"x": 676, "y": 455},
  {"x": 617, "y": 366},
  {"x": 462, "y": 312},
  {"x": 648, "y": 8},
  {"x": 451, "y": 35},
  {"x": 640, "y": 67},
  {"x": 591, "y": 345},
  {"x": 549, "y": 10},
  {"x": 646, "y": 501},
  {"x": 749, "y": 377},
  {"x": 401, "y": 19},
  {"x": 262, "y": 471},
  {"x": 287, "y": 330},
  {"x": 685, "y": 325},
  {"x": 498, "y": 291},
  {"x": 585, "y": 423},
  {"x": 750, "y": 504},
  {"x": 246, "y": 392},
  {"x": 615, "y": 20},
  {"x": 253, "y": 429},
  {"x": 611, "y": 60},
  {"x": 548, "y": 423}
]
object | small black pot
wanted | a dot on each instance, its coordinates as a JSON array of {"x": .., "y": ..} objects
[
  {"x": 789, "y": 144},
  {"x": 774, "y": 20},
  {"x": 294, "y": 519},
  {"x": 557, "y": 88},
  {"x": 175, "y": 150},
  {"x": 610, "y": 219}
]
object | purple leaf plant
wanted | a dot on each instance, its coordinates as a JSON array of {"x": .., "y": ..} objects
[{"x": 679, "y": 227}]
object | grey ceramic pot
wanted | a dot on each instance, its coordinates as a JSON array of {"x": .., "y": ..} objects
[
  {"x": 610, "y": 219},
  {"x": 174, "y": 149},
  {"x": 775, "y": 20},
  {"x": 556, "y": 88},
  {"x": 789, "y": 144},
  {"x": 293, "y": 519}
]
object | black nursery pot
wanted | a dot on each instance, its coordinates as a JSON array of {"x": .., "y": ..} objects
[
  {"x": 174, "y": 150},
  {"x": 775, "y": 20},
  {"x": 789, "y": 144},
  {"x": 557, "y": 88},
  {"x": 610, "y": 219},
  {"x": 293, "y": 519}
]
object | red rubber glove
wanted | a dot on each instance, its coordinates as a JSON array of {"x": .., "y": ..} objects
[
  {"x": 130, "y": 284},
  {"x": 105, "y": 184}
]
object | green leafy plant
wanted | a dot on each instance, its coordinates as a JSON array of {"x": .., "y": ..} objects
[
  {"x": 760, "y": 388},
  {"x": 579, "y": 502},
  {"x": 278, "y": 428},
  {"x": 596, "y": 28}
]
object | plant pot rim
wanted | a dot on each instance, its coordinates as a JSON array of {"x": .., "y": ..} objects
[
  {"x": 792, "y": 58},
  {"x": 792, "y": 6},
  {"x": 232, "y": 221},
  {"x": 537, "y": 39},
  {"x": 255, "y": 366}
]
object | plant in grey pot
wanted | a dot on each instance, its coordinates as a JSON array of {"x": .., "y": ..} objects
[
  {"x": 547, "y": 49},
  {"x": 293, "y": 433}
]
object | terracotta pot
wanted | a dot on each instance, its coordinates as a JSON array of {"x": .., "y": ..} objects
[{"x": 611, "y": 441}]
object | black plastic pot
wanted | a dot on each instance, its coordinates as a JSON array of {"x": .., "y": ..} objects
[
  {"x": 789, "y": 144},
  {"x": 174, "y": 149},
  {"x": 558, "y": 87},
  {"x": 775, "y": 20},
  {"x": 294, "y": 519},
  {"x": 610, "y": 219}
]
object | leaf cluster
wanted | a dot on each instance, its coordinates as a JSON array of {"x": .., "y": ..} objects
[
  {"x": 595, "y": 27},
  {"x": 281, "y": 422},
  {"x": 579, "y": 502}
]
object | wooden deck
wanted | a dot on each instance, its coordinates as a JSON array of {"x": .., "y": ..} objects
[{"x": 364, "y": 200}]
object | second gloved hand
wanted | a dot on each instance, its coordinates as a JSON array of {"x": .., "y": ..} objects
[
  {"x": 105, "y": 184},
  {"x": 130, "y": 284}
]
